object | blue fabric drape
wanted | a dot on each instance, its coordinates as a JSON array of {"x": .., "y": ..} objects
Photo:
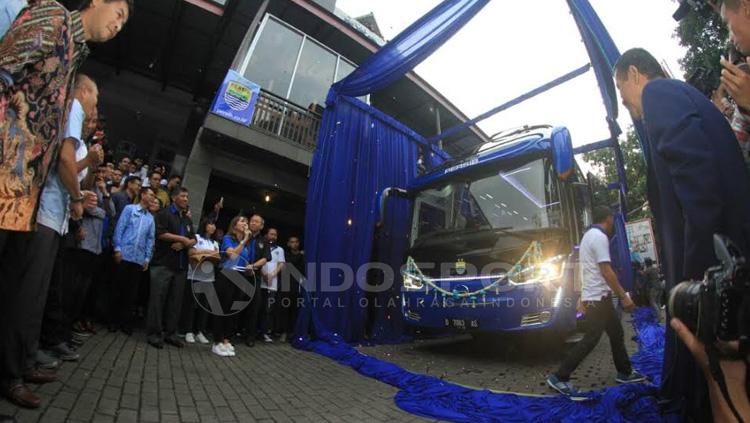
[
  {"x": 360, "y": 152},
  {"x": 408, "y": 49},
  {"x": 434, "y": 398}
]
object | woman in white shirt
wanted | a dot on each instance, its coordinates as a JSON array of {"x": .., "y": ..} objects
[{"x": 204, "y": 257}]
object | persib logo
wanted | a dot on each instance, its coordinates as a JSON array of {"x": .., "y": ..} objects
[{"x": 237, "y": 96}]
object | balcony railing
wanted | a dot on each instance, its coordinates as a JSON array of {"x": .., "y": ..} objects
[{"x": 282, "y": 118}]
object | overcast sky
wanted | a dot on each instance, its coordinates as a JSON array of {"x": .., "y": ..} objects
[{"x": 514, "y": 46}]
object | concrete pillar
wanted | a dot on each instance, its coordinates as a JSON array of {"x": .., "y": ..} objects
[{"x": 196, "y": 176}]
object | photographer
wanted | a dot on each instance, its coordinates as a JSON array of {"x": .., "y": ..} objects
[{"x": 735, "y": 373}]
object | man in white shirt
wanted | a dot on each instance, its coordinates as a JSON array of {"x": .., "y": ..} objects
[
  {"x": 599, "y": 284},
  {"x": 270, "y": 282}
]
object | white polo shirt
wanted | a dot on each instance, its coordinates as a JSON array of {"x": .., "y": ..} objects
[
  {"x": 594, "y": 250},
  {"x": 277, "y": 256}
]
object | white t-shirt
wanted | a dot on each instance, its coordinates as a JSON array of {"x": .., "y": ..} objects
[
  {"x": 205, "y": 269},
  {"x": 594, "y": 249},
  {"x": 277, "y": 256}
]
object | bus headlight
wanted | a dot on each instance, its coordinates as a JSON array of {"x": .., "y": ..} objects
[
  {"x": 545, "y": 272},
  {"x": 412, "y": 283}
]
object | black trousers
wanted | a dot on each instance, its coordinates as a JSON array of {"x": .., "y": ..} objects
[
  {"x": 235, "y": 308},
  {"x": 85, "y": 263},
  {"x": 194, "y": 317},
  {"x": 127, "y": 279},
  {"x": 287, "y": 308},
  {"x": 54, "y": 322},
  {"x": 600, "y": 317},
  {"x": 165, "y": 301},
  {"x": 26, "y": 263}
]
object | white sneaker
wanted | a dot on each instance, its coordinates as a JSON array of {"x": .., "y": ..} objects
[
  {"x": 229, "y": 348},
  {"x": 190, "y": 338},
  {"x": 201, "y": 338},
  {"x": 219, "y": 350},
  {"x": 267, "y": 339}
]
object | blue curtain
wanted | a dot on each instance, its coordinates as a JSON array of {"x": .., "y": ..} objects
[
  {"x": 408, "y": 49},
  {"x": 360, "y": 152}
]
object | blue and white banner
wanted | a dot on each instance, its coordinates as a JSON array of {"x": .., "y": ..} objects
[{"x": 236, "y": 99}]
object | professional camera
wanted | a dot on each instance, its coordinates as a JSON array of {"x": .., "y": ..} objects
[{"x": 718, "y": 307}]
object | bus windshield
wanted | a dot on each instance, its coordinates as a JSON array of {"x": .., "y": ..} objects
[{"x": 518, "y": 199}]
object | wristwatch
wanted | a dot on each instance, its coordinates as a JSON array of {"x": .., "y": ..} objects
[{"x": 77, "y": 199}]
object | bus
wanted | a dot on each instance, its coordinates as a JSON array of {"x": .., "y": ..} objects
[{"x": 493, "y": 236}]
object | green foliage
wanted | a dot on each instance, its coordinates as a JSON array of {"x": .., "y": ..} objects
[
  {"x": 705, "y": 38},
  {"x": 603, "y": 164}
]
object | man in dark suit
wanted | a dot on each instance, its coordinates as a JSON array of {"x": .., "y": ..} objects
[{"x": 698, "y": 185}]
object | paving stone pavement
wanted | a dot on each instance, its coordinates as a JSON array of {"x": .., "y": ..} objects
[
  {"x": 519, "y": 364},
  {"x": 123, "y": 379}
]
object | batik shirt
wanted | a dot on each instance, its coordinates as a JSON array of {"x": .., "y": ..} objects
[{"x": 39, "y": 57}]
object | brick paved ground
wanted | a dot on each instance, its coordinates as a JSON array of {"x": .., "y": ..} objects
[
  {"x": 503, "y": 365},
  {"x": 125, "y": 380}
]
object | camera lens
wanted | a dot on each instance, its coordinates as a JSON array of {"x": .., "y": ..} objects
[{"x": 684, "y": 303}]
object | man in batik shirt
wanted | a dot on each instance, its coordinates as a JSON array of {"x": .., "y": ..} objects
[{"x": 39, "y": 57}]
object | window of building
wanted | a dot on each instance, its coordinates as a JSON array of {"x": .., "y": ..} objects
[
  {"x": 274, "y": 57},
  {"x": 292, "y": 65}
]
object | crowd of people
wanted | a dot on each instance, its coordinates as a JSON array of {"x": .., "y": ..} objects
[{"x": 87, "y": 236}]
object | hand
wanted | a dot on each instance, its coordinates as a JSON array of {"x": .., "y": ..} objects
[
  {"x": 101, "y": 185},
  {"x": 145, "y": 266},
  {"x": 177, "y": 246},
  {"x": 80, "y": 234},
  {"x": 118, "y": 257},
  {"x": 737, "y": 83},
  {"x": 95, "y": 156},
  {"x": 627, "y": 303},
  {"x": 90, "y": 200},
  {"x": 76, "y": 210}
]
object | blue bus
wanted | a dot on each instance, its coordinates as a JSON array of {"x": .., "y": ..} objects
[{"x": 493, "y": 236}]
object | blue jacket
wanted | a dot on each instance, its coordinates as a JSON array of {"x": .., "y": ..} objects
[
  {"x": 698, "y": 185},
  {"x": 134, "y": 234}
]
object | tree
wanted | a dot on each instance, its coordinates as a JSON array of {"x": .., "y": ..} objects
[
  {"x": 705, "y": 37},
  {"x": 605, "y": 171}
]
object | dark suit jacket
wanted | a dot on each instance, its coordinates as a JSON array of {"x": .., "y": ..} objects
[{"x": 698, "y": 185}]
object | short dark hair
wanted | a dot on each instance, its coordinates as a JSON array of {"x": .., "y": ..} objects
[
  {"x": 601, "y": 213},
  {"x": 177, "y": 191},
  {"x": 648, "y": 262},
  {"x": 154, "y": 172},
  {"x": 132, "y": 178},
  {"x": 642, "y": 60},
  {"x": 123, "y": 158},
  {"x": 85, "y": 4},
  {"x": 272, "y": 229},
  {"x": 146, "y": 189},
  {"x": 175, "y": 176}
]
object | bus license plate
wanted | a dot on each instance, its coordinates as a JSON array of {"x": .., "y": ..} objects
[{"x": 463, "y": 324}]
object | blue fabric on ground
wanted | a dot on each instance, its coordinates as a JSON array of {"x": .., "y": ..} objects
[{"x": 435, "y": 398}]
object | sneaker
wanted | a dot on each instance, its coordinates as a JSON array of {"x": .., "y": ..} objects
[
  {"x": 64, "y": 353},
  {"x": 219, "y": 350},
  {"x": 190, "y": 338},
  {"x": 201, "y": 338},
  {"x": 565, "y": 388},
  {"x": 175, "y": 341},
  {"x": 633, "y": 377},
  {"x": 229, "y": 347},
  {"x": 267, "y": 339},
  {"x": 46, "y": 361}
]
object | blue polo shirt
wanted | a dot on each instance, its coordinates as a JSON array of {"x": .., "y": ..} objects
[{"x": 243, "y": 259}]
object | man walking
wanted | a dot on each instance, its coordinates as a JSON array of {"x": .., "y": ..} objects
[
  {"x": 698, "y": 185},
  {"x": 174, "y": 237},
  {"x": 599, "y": 285}
]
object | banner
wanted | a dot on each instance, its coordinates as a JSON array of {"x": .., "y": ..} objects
[
  {"x": 641, "y": 239},
  {"x": 236, "y": 99}
]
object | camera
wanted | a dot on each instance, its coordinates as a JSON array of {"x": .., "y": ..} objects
[{"x": 718, "y": 307}]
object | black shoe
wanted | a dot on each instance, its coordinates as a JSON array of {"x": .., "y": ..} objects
[
  {"x": 156, "y": 344},
  {"x": 174, "y": 341},
  {"x": 64, "y": 353},
  {"x": 250, "y": 342},
  {"x": 127, "y": 331}
]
